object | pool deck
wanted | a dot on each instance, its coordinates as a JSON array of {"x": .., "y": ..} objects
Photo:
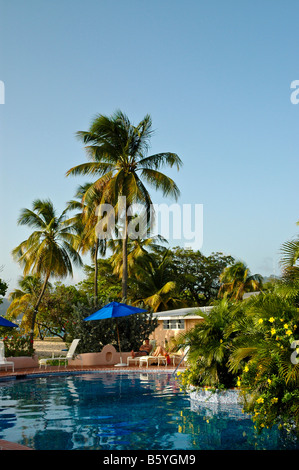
[
  {"x": 22, "y": 373},
  {"x": 19, "y": 373}
]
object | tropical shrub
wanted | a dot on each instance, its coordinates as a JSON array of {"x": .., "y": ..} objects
[
  {"x": 270, "y": 374},
  {"x": 94, "y": 335},
  {"x": 209, "y": 349},
  {"x": 17, "y": 345}
]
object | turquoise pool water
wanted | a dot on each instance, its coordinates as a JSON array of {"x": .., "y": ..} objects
[{"x": 121, "y": 411}]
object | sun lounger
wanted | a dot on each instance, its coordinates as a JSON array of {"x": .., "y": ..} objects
[
  {"x": 70, "y": 355},
  {"x": 135, "y": 360},
  {"x": 177, "y": 358},
  {"x": 148, "y": 360},
  {"x": 3, "y": 361}
]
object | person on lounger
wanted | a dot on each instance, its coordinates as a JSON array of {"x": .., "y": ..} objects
[
  {"x": 144, "y": 349},
  {"x": 160, "y": 351}
]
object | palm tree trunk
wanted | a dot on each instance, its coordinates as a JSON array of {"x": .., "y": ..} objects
[
  {"x": 37, "y": 305},
  {"x": 125, "y": 261},
  {"x": 96, "y": 273}
]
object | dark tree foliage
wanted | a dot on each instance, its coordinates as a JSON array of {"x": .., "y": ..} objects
[{"x": 95, "y": 334}]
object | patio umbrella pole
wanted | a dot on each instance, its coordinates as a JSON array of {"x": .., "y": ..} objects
[
  {"x": 114, "y": 310},
  {"x": 121, "y": 363}
]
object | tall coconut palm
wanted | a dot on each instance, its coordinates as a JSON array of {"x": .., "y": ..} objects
[
  {"x": 153, "y": 282},
  {"x": 83, "y": 224},
  {"x": 118, "y": 153},
  {"x": 290, "y": 259},
  {"x": 24, "y": 298},
  {"x": 236, "y": 280},
  {"x": 49, "y": 250}
]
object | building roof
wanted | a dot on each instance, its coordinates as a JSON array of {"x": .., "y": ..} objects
[{"x": 181, "y": 313}]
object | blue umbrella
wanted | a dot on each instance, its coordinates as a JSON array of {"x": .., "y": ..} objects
[
  {"x": 5, "y": 322},
  {"x": 115, "y": 310}
]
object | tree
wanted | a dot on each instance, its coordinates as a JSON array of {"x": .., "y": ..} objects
[
  {"x": 197, "y": 276},
  {"x": 56, "y": 309},
  {"x": 290, "y": 259},
  {"x": 263, "y": 354},
  {"x": 108, "y": 284},
  {"x": 236, "y": 280},
  {"x": 94, "y": 335},
  {"x": 48, "y": 251},
  {"x": 210, "y": 348},
  {"x": 3, "y": 287},
  {"x": 118, "y": 153},
  {"x": 24, "y": 298},
  {"x": 153, "y": 283},
  {"x": 83, "y": 224}
]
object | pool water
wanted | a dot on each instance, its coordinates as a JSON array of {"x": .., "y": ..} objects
[{"x": 122, "y": 411}]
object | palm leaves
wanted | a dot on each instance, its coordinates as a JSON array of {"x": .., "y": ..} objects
[
  {"x": 49, "y": 250},
  {"x": 153, "y": 283},
  {"x": 289, "y": 259},
  {"x": 117, "y": 151},
  {"x": 236, "y": 280}
]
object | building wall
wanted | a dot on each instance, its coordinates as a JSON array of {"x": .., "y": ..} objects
[{"x": 161, "y": 336}]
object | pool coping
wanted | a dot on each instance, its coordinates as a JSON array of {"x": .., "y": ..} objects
[{"x": 57, "y": 370}]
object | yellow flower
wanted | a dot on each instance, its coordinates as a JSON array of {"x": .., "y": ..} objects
[
  {"x": 260, "y": 400},
  {"x": 246, "y": 369},
  {"x": 271, "y": 320},
  {"x": 238, "y": 382},
  {"x": 286, "y": 326},
  {"x": 274, "y": 400},
  {"x": 221, "y": 341},
  {"x": 269, "y": 381},
  {"x": 260, "y": 320},
  {"x": 288, "y": 332},
  {"x": 273, "y": 331}
]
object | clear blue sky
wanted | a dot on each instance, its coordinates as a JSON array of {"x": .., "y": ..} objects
[{"x": 215, "y": 77}]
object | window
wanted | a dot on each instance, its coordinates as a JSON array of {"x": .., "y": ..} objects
[{"x": 173, "y": 324}]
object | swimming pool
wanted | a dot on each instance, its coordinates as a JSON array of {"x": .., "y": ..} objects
[{"x": 121, "y": 411}]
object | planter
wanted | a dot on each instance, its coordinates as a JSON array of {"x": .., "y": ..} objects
[
  {"x": 206, "y": 395},
  {"x": 24, "y": 362},
  {"x": 212, "y": 402}
]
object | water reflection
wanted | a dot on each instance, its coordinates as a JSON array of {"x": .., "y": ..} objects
[{"x": 112, "y": 411}]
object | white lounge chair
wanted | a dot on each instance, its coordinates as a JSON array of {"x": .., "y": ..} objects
[
  {"x": 3, "y": 361},
  {"x": 132, "y": 359},
  {"x": 151, "y": 359},
  {"x": 70, "y": 355}
]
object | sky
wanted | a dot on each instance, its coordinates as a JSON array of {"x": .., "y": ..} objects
[{"x": 215, "y": 76}]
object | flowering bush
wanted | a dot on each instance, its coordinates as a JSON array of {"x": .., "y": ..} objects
[
  {"x": 253, "y": 341},
  {"x": 269, "y": 380},
  {"x": 17, "y": 345}
]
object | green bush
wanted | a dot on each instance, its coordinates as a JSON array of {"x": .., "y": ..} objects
[
  {"x": 95, "y": 334},
  {"x": 18, "y": 345}
]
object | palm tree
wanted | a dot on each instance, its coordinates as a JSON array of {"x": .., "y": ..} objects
[
  {"x": 83, "y": 224},
  {"x": 153, "y": 281},
  {"x": 24, "y": 298},
  {"x": 118, "y": 153},
  {"x": 210, "y": 346},
  {"x": 49, "y": 250},
  {"x": 236, "y": 280},
  {"x": 289, "y": 259}
]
